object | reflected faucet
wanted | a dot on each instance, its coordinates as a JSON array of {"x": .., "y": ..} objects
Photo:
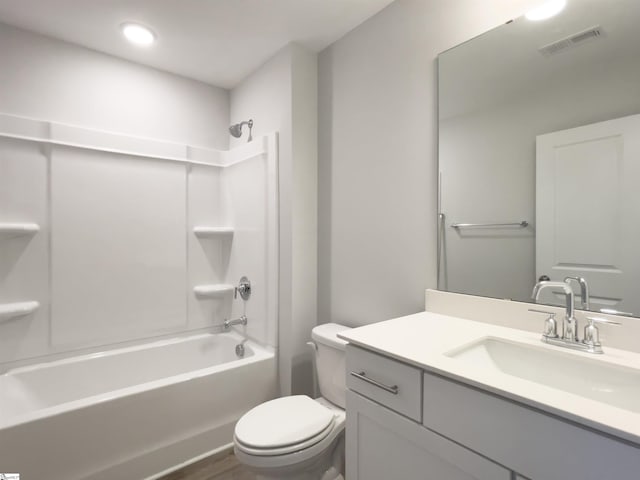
[
  {"x": 584, "y": 290},
  {"x": 570, "y": 323}
]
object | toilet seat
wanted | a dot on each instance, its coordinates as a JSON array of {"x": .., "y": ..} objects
[
  {"x": 270, "y": 452},
  {"x": 294, "y": 453},
  {"x": 283, "y": 425}
]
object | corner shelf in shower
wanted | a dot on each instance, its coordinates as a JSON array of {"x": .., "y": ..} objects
[
  {"x": 12, "y": 310},
  {"x": 10, "y": 230},
  {"x": 212, "y": 291},
  {"x": 208, "y": 232}
]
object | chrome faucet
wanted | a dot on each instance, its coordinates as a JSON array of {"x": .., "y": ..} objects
[
  {"x": 584, "y": 290},
  {"x": 237, "y": 321},
  {"x": 570, "y": 323},
  {"x": 591, "y": 342}
]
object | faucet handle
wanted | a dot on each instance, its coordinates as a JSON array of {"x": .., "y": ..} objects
[
  {"x": 592, "y": 335},
  {"x": 550, "y": 324},
  {"x": 243, "y": 288}
]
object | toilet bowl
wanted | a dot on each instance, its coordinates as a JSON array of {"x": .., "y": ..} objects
[
  {"x": 297, "y": 437},
  {"x": 276, "y": 450}
]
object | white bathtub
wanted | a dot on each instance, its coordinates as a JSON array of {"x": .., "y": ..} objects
[{"x": 129, "y": 413}]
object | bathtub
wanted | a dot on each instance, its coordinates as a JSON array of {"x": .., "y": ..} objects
[{"x": 130, "y": 413}]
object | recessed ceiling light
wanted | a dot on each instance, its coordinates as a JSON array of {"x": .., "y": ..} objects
[
  {"x": 546, "y": 10},
  {"x": 138, "y": 34}
]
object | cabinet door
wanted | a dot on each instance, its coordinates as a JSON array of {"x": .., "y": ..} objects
[{"x": 383, "y": 445}]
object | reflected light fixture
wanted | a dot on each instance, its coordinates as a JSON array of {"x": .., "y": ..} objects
[
  {"x": 138, "y": 34},
  {"x": 546, "y": 10}
]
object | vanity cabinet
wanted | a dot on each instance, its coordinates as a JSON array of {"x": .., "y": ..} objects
[
  {"x": 385, "y": 439},
  {"x": 383, "y": 445},
  {"x": 536, "y": 444},
  {"x": 462, "y": 433}
]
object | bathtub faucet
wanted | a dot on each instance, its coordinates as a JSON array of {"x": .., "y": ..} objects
[{"x": 237, "y": 321}]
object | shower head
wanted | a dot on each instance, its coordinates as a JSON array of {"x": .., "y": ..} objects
[{"x": 236, "y": 130}]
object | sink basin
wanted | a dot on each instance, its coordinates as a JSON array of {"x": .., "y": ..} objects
[{"x": 595, "y": 379}]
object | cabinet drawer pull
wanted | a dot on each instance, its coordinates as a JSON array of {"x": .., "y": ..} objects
[{"x": 362, "y": 376}]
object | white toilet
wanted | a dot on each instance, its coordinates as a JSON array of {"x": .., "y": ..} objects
[{"x": 297, "y": 437}]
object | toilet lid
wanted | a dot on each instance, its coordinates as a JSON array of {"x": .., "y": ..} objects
[{"x": 282, "y": 422}]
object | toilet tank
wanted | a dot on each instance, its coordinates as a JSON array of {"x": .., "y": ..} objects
[{"x": 330, "y": 362}]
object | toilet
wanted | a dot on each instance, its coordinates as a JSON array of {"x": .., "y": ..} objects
[{"x": 297, "y": 437}]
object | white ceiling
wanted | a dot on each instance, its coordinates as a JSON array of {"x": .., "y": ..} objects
[{"x": 215, "y": 41}]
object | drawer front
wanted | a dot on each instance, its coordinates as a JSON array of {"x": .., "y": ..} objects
[
  {"x": 530, "y": 442},
  {"x": 393, "y": 384}
]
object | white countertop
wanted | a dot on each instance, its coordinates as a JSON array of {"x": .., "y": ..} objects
[{"x": 425, "y": 338}]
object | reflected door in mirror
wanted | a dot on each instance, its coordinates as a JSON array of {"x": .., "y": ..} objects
[{"x": 587, "y": 200}]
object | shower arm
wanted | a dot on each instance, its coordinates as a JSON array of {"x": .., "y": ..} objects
[{"x": 250, "y": 125}]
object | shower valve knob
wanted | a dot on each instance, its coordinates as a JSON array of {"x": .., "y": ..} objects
[{"x": 243, "y": 288}]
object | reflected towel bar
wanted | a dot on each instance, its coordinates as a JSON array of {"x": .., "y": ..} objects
[{"x": 521, "y": 224}]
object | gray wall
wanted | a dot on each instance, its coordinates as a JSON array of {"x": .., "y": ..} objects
[{"x": 378, "y": 155}]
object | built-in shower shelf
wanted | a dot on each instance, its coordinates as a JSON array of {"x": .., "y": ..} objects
[
  {"x": 210, "y": 291},
  {"x": 12, "y": 310},
  {"x": 204, "y": 232},
  {"x": 9, "y": 230}
]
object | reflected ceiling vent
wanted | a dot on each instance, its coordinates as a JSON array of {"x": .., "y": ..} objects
[{"x": 571, "y": 41}]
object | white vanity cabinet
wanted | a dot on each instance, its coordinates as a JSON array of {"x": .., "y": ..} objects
[
  {"x": 460, "y": 432},
  {"x": 536, "y": 444},
  {"x": 385, "y": 439},
  {"x": 383, "y": 445}
]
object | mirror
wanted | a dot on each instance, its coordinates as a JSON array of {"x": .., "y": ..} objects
[{"x": 539, "y": 157}]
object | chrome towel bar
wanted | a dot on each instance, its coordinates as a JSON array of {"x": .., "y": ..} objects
[{"x": 521, "y": 224}]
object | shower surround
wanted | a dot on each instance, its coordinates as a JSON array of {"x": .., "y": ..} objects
[{"x": 109, "y": 242}]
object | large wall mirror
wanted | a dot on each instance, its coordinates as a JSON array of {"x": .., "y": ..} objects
[{"x": 539, "y": 155}]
